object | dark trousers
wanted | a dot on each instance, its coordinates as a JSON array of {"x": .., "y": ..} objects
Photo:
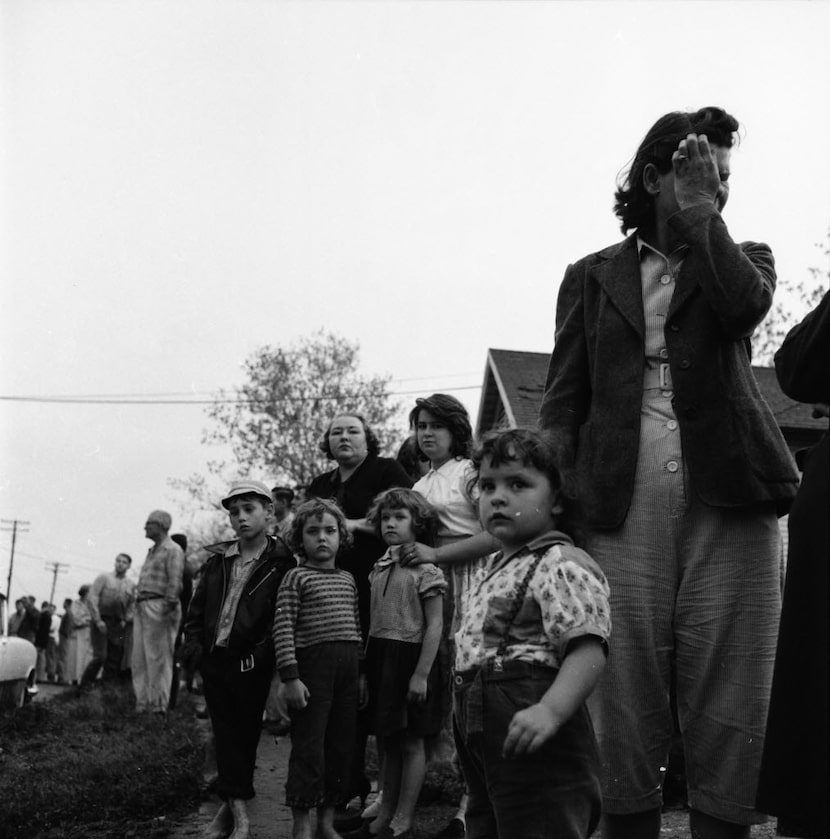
[
  {"x": 323, "y": 733},
  {"x": 107, "y": 650},
  {"x": 553, "y": 793},
  {"x": 235, "y": 701}
]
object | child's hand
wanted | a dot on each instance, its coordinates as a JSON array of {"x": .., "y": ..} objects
[
  {"x": 362, "y": 692},
  {"x": 296, "y": 694},
  {"x": 417, "y": 554},
  {"x": 529, "y": 729},
  {"x": 417, "y": 689}
]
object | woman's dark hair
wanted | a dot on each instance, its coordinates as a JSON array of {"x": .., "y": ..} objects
[
  {"x": 453, "y": 414},
  {"x": 424, "y": 515},
  {"x": 316, "y": 508},
  {"x": 372, "y": 442},
  {"x": 529, "y": 448},
  {"x": 633, "y": 205}
]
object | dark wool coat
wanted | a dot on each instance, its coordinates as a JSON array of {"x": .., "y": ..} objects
[
  {"x": 794, "y": 771},
  {"x": 733, "y": 449},
  {"x": 252, "y": 628}
]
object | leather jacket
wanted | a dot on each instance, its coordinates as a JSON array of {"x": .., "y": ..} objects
[{"x": 252, "y": 626}]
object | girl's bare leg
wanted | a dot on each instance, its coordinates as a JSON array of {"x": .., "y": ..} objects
[
  {"x": 302, "y": 824},
  {"x": 325, "y": 823},
  {"x": 391, "y": 785},
  {"x": 413, "y": 768}
]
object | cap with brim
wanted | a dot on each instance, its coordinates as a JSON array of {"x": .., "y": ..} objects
[
  {"x": 283, "y": 492},
  {"x": 246, "y": 488}
]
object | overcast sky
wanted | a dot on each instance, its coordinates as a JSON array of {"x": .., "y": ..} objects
[{"x": 184, "y": 181}]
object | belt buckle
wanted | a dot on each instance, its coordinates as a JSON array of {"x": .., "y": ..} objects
[
  {"x": 246, "y": 664},
  {"x": 665, "y": 377},
  {"x": 498, "y": 664}
]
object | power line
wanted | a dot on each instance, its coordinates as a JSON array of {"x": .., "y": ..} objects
[
  {"x": 71, "y": 400},
  {"x": 207, "y": 393}
]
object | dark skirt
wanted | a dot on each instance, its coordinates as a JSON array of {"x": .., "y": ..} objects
[{"x": 389, "y": 667}]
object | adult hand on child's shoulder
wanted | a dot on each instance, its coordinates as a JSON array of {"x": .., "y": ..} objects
[
  {"x": 296, "y": 694},
  {"x": 417, "y": 554},
  {"x": 529, "y": 730}
]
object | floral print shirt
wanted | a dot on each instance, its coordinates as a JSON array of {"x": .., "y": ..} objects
[{"x": 567, "y": 598}]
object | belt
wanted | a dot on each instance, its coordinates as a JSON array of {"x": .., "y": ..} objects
[
  {"x": 493, "y": 670},
  {"x": 657, "y": 378},
  {"x": 150, "y": 596}
]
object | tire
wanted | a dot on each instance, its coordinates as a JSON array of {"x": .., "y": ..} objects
[{"x": 13, "y": 694}]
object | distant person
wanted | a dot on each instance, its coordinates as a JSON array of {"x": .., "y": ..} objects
[
  {"x": 794, "y": 770},
  {"x": 229, "y": 631},
  {"x": 110, "y": 599},
  {"x": 53, "y": 646},
  {"x": 157, "y": 616},
  {"x": 29, "y": 619},
  {"x": 64, "y": 639},
  {"x": 318, "y": 645},
  {"x": 80, "y": 644},
  {"x": 184, "y": 599},
  {"x": 283, "y": 515},
  {"x": 16, "y": 618},
  {"x": 44, "y": 630},
  {"x": 680, "y": 472},
  {"x": 277, "y": 720}
]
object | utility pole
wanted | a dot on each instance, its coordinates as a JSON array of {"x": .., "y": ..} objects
[
  {"x": 55, "y": 568},
  {"x": 14, "y": 523}
]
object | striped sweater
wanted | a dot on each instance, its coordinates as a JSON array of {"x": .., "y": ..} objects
[{"x": 314, "y": 606}]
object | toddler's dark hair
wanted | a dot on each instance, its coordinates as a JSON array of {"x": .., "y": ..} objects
[
  {"x": 424, "y": 515},
  {"x": 316, "y": 508}
]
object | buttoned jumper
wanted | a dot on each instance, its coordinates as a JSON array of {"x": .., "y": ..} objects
[
  {"x": 507, "y": 655},
  {"x": 680, "y": 505}
]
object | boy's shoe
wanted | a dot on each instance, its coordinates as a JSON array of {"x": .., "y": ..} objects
[
  {"x": 350, "y": 826},
  {"x": 362, "y": 832},
  {"x": 454, "y": 829}
]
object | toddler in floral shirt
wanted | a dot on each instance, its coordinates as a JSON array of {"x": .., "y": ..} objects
[{"x": 530, "y": 649}]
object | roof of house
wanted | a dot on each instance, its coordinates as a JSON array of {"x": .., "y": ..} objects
[{"x": 514, "y": 381}]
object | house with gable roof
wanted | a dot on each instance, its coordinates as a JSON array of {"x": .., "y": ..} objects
[{"x": 514, "y": 382}]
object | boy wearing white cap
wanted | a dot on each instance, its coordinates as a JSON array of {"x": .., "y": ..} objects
[{"x": 228, "y": 629}]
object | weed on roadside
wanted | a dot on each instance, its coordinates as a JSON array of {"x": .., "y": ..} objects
[{"x": 90, "y": 766}]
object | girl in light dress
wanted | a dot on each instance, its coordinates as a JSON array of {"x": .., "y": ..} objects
[{"x": 405, "y": 691}]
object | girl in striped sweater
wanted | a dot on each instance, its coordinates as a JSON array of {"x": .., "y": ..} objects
[{"x": 318, "y": 643}]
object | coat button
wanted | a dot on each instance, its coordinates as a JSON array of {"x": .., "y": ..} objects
[
  {"x": 674, "y": 327},
  {"x": 685, "y": 364},
  {"x": 665, "y": 279},
  {"x": 672, "y": 466}
]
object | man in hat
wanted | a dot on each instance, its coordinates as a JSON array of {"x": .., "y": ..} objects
[{"x": 157, "y": 616}]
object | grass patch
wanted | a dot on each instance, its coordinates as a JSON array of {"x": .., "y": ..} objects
[{"x": 90, "y": 766}]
